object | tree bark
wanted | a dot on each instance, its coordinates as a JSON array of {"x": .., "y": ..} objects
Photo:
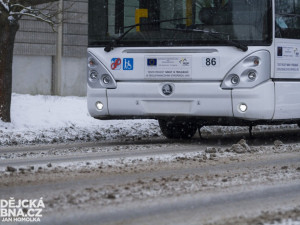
[{"x": 7, "y": 38}]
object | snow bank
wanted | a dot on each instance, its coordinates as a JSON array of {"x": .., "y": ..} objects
[{"x": 50, "y": 119}]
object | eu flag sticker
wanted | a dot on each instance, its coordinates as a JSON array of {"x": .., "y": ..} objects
[
  {"x": 151, "y": 62},
  {"x": 128, "y": 64}
]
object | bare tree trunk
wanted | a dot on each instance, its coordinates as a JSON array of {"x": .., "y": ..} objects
[{"x": 7, "y": 37}]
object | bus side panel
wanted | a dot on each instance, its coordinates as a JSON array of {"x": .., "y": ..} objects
[
  {"x": 287, "y": 100},
  {"x": 287, "y": 58},
  {"x": 259, "y": 100}
]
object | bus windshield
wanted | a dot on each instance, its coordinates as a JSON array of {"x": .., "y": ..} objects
[{"x": 180, "y": 22}]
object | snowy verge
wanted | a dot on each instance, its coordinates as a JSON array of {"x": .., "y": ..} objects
[{"x": 51, "y": 119}]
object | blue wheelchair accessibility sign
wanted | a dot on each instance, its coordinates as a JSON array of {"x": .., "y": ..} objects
[{"x": 128, "y": 64}]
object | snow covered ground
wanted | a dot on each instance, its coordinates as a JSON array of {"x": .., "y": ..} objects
[{"x": 51, "y": 119}]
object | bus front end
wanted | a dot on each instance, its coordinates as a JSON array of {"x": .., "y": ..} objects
[{"x": 186, "y": 63}]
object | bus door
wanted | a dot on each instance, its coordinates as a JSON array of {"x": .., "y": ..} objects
[{"x": 287, "y": 59}]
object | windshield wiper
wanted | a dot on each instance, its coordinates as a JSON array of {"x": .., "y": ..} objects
[
  {"x": 114, "y": 42},
  {"x": 216, "y": 35}
]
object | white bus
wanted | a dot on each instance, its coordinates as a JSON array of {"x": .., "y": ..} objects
[{"x": 191, "y": 63}]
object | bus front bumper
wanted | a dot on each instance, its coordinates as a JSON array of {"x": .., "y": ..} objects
[{"x": 206, "y": 99}]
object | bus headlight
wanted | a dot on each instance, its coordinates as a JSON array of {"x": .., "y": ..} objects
[
  {"x": 98, "y": 75},
  {"x": 106, "y": 79},
  {"x": 252, "y": 75},
  {"x": 256, "y": 62},
  {"x": 243, "y": 107},
  {"x": 249, "y": 72},
  {"x": 235, "y": 80},
  {"x": 99, "y": 105},
  {"x": 91, "y": 62},
  {"x": 93, "y": 75}
]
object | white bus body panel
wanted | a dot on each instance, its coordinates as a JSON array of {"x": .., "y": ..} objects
[
  {"x": 93, "y": 96},
  {"x": 200, "y": 95},
  {"x": 287, "y": 58},
  {"x": 189, "y": 99},
  {"x": 287, "y": 100},
  {"x": 287, "y": 82},
  {"x": 259, "y": 100}
]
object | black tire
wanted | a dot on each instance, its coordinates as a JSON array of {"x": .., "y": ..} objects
[{"x": 177, "y": 129}]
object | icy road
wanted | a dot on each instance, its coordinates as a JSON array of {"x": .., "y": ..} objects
[{"x": 222, "y": 179}]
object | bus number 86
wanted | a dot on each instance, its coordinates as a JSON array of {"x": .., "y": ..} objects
[{"x": 211, "y": 62}]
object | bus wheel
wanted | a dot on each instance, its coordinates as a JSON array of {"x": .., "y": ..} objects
[{"x": 177, "y": 129}]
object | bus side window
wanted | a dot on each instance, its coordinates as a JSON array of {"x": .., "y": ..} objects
[{"x": 287, "y": 20}]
